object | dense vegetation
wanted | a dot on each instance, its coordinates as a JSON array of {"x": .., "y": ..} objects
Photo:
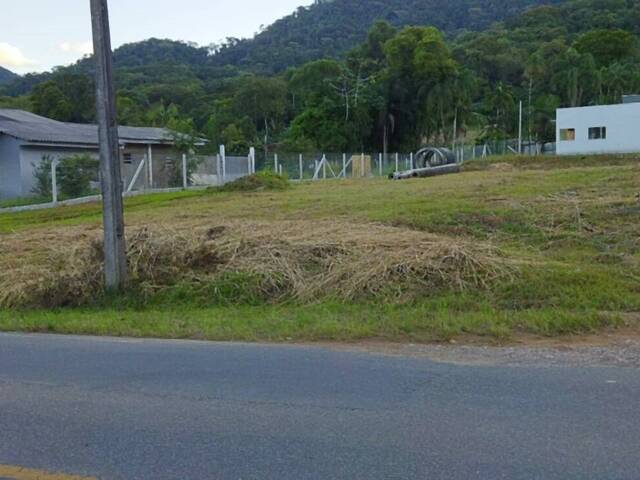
[
  {"x": 396, "y": 87},
  {"x": 330, "y": 28}
]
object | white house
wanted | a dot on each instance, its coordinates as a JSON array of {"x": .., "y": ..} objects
[{"x": 598, "y": 129}]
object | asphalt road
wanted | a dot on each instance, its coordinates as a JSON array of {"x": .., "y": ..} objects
[{"x": 126, "y": 409}]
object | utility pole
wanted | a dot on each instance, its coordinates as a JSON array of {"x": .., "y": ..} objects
[{"x": 115, "y": 263}]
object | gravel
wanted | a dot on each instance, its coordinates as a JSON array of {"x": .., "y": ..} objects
[{"x": 621, "y": 353}]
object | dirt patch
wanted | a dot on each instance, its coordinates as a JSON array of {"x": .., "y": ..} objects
[
  {"x": 305, "y": 261},
  {"x": 619, "y": 348},
  {"x": 502, "y": 167}
]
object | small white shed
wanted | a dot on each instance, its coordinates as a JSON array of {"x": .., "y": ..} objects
[{"x": 598, "y": 129}]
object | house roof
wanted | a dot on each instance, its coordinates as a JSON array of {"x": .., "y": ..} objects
[{"x": 36, "y": 129}]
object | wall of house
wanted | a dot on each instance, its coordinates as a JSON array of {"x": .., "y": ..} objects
[
  {"x": 10, "y": 185},
  {"x": 131, "y": 155},
  {"x": 621, "y": 121},
  {"x": 31, "y": 156}
]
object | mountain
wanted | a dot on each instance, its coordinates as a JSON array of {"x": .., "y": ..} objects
[
  {"x": 328, "y": 29},
  {"x": 6, "y": 76},
  {"x": 324, "y": 29}
]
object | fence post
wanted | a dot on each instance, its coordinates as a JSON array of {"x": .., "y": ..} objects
[
  {"x": 362, "y": 164},
  {"x": 324, "y": 166},
  {"x": 411, "y": 161},
  {"x": 54, "y": 181},
  {"x": 184, "y": 171},
  {"x": 397, "y": 162},
  {"x": 223, "y": 162},
  {"x": 275, "y": 163},
  {"x": 252, "y": 161},
  {"x": 344, "y": 165},
  {"x": 301, "y": 167},
  {"x": 150, "y": 166},
  {"x": 380, "y": 158}
]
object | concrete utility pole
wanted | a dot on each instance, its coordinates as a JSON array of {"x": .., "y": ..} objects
[{"x": 115, "y": 263}]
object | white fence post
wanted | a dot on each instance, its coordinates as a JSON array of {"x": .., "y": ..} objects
[
  {"x": 301, "y": 167},
  {"x": 275, "y": 163},
  {"x": 324, "y": 167},
  {"x": 362, "y": 164},
  {"x": 411, "y": 161},
  {"x": 344, "y": 165},
  {"x": 397, "y": 162},
  {"x": 223, "y": 161},
  {"x": 380, "y": 159},
  {"x": 54, "y": 181},
  {"x": 150, "y": 166},
  {"x": 184, "y": 171},
  {"x": 252, "y": 161}
]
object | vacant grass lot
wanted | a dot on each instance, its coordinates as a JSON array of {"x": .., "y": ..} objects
[{"x": 347, "y": 260}]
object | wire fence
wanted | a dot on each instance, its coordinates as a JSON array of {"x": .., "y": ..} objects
[{"x": 65, "y": 180}]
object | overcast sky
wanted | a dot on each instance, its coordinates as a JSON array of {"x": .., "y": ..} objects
[{"x": 36, "y": 35}]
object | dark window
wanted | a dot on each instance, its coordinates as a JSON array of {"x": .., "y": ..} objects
[
  {"x": 597, "y": 133},
  {"x": 568, "y": 134},
  {"x": 128, "y": 158}
]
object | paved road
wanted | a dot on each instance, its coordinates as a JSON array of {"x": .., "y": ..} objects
[{"x": 119, "y": 409}]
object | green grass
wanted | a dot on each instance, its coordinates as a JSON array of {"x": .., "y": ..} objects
[
  {"x": 21, "y": 202},
  {"x": 571, "y": 224},
  {"x": 423, "y": 322}
]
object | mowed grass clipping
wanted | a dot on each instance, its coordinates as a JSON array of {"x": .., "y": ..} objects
[{"x": 545, "y": 246}]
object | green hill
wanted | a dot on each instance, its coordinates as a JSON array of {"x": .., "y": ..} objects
[
  {"x": 328, "y": 29},
  {"x": 6, "y": 76}
]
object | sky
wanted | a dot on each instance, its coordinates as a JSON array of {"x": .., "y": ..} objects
[{"x": 36, "y": 35}]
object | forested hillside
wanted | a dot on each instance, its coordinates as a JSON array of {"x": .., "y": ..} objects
[
  {"x": 6, "y": 76},
  {"x": 331, "y": 28},
  {"x": 400, "y": 86}
]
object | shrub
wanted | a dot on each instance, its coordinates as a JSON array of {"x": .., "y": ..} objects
[
  {"x": 42, "y": 176},
  {"x": 257, "y": 182},
  {"x": 75, "y": 174}
]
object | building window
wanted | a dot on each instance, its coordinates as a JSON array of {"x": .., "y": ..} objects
[
  {"x": 567, "y": 134},
  {"x": 597, "y": 133},
  {"x": 128, "y": 158}
]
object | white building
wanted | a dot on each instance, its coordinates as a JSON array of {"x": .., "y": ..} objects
[{"x": 599, "y": 129}]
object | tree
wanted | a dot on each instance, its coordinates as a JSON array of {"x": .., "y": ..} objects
[
  {"x": 420, "y": 66},
  {"x": 68, "y": 98},
  {"x": 264, "y": 101},
  {"x": 49, "y": 101},
  {"x": 607, "y": 46},
  {"x": 576, "y": 78}
]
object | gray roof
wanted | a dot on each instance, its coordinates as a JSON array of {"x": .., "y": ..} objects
[{"x": 36, "y": 129}]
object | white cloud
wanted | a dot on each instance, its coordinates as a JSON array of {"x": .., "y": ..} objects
[
  {"x": 82, "y": 48},
  {"x": 11, "y": 56}
]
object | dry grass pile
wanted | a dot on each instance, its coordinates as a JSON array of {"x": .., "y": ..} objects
[{"x": 303, "y": 261}]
